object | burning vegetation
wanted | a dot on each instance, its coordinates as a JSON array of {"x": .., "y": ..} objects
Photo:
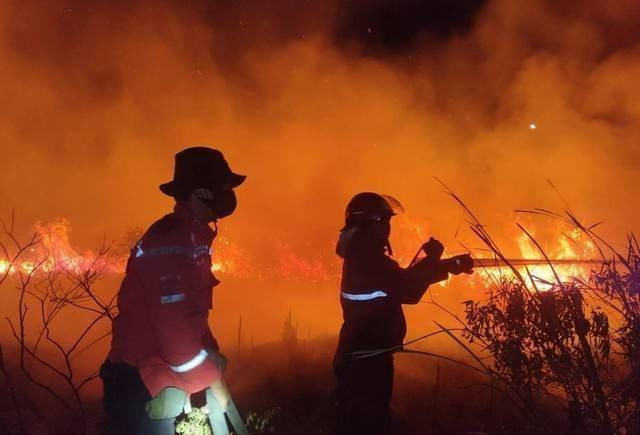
[
  {"x": 556, "y": 345},
  {"x": 571, "y": 341}
]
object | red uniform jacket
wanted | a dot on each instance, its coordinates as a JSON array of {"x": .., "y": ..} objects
[
  {"x": 373, "y": 289},
  {"x": 163, "y": 303}
]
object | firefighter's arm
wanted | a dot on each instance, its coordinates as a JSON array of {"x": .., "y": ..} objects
[
  {"x": 210, "y": 341},
  {"x": 406, "y": 286},
  {"x": 413, "y": 282},
  {"x": 211, "y": 344},
  {"x": 416, "y": 279}
]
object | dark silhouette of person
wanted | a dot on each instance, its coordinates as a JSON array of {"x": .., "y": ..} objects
[
  {"x": 162, "y": 350},
  {"x": 373, "y": 289}
]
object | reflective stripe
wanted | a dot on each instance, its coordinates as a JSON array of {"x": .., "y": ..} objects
[
  {"x": 364, "y": 296},
  {"x": 169, "y": 299},
  {"x": 172, "y": 250},
  {"x": 166, "y": 250},
  {"x": 200, "y": 250},
  {"x": 192, "y": 363}
]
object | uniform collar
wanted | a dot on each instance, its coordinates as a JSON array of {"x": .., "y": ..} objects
[{"x": 197, "y": 227}]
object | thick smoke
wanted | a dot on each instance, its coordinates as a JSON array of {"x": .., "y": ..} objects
[{"x": 316, "y": 101}]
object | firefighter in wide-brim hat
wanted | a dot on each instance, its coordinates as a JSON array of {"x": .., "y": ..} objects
[
  {"x": 162, "y": 349},
  {"x": 373, "y": 289}
]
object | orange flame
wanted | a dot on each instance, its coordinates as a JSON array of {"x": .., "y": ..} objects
[
  {"x": 573, "y": 245},
  {"x": 55, "y": 253}
]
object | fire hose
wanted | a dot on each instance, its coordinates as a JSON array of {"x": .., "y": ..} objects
[
  {"x": 497, "y": 262},
  {"x": 490, "y": 263}
]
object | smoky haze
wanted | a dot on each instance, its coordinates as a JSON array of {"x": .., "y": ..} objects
[{"x": 316, "y": 101}]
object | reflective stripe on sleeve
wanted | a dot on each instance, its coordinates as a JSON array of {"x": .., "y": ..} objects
[
  {"x": 171, "y": 250},
  {"x": 169, "y": 299},
  {"x": 192, "y": 363},
  {"x": 364, "y": 296}
]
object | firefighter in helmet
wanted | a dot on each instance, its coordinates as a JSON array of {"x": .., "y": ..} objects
[
  {"x": 162, "y": 351},
  {"x": 373, "y": 289}
]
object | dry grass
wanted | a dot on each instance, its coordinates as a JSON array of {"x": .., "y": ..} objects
[{"x": 574, "y": 343}]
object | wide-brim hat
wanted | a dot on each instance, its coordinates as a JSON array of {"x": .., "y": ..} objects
[{"x": 200, "y": 167}]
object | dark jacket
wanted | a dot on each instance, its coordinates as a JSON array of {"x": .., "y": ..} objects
[
  {"x": 372, "y": 292},
  {"x": 163, "y": 304}
]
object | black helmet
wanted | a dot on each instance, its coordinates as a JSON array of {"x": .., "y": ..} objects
[{"x": 368, "y": 206}]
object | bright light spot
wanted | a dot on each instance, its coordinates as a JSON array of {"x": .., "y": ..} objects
[
  {"x": 533, "y": 126},
  {"x": 28, "y": 266}
]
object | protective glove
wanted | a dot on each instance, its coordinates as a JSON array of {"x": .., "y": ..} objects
[
  {"x": 169, "y": 403},
  {"x": 460, "y": 264},
  {"x": 433, "y": 249}
]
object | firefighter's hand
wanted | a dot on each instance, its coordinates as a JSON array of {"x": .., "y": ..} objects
[
  {"x": 220, "y": 392},
  {"x": 460, "y": 264},
  {"x": 433, "y": 249},
  {"x": 219, "y": 359}
]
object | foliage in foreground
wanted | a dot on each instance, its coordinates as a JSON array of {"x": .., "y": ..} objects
[{"x": 575, "y": 341}]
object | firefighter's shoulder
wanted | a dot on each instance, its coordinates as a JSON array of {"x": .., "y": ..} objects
[
  {"x": 165, "y": 225},
  {"x": 167, "y": 228}
]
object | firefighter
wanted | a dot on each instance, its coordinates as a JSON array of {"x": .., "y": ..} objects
[
  {"x": 373, "y": 289},
  {"x": 162, "y": 349}
]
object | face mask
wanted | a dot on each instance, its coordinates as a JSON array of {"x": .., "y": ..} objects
[
  {"x": 222, "y": 204},
  {"x": 380, "y": 229}
]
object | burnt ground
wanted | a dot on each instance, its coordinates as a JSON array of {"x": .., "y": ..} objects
[{"x": 295, "y": 383}]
